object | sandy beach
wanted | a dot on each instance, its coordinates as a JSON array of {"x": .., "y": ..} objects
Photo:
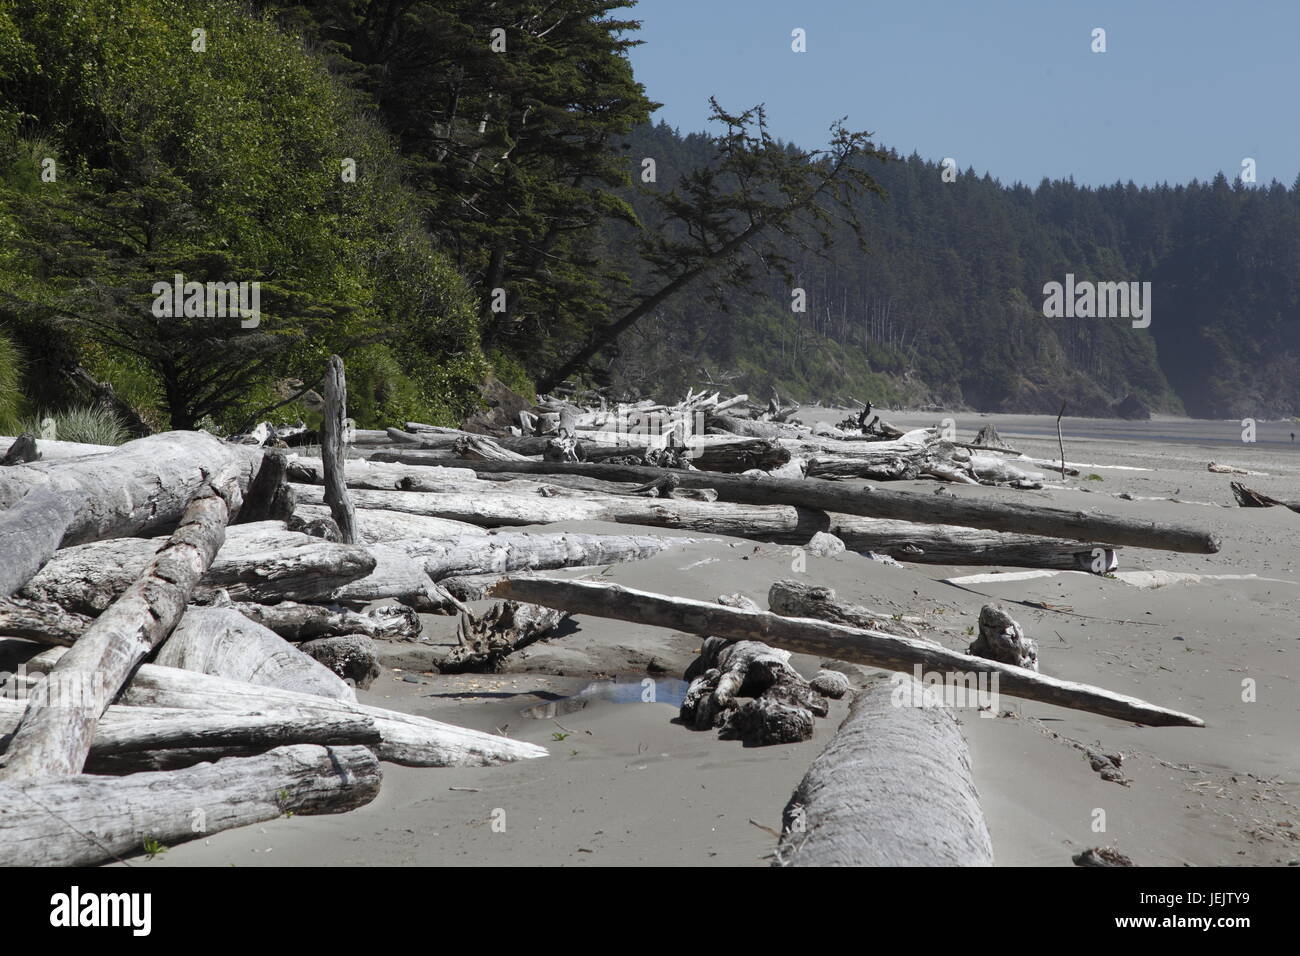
[{"x": 626, "y": 785}]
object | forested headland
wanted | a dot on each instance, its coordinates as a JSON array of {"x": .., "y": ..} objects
[{"x": 446, "y": 192}]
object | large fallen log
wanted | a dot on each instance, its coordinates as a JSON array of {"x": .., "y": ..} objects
[
  {"x": 31, "y": 531},
  {"x": 139, "y": 487},
  {"x": 222, "y": 642},
  {"x": 260, "y": 562},
  {"x": 406, "y": 739},
  {"x": 807, "y": 636},
  {"x": 62, "y": 712},
  {"x": 86, "y": 820},
  {"x": 125, "y": 731},
  {"x": 904, "y": 541},
  {"x": 892, "y": 788},
  {"x": 899, "y": 505},
  {"x": 523, "y": 551},
  {"x": 42, "y": 621},
  {"x": 378, "y": 526}
]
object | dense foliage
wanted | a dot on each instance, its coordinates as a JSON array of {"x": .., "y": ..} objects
[{"x": 500, "y": 220}]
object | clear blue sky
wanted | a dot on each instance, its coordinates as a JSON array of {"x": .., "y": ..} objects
[{"x": 1011, "y": 87}]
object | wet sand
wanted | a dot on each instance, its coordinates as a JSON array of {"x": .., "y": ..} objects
[{"x": 624, "y": 785}]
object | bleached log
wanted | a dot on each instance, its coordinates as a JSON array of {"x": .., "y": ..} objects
[
  {"x": 134, "y": 730},
  {"x": 378, "y": 526},
  {"x": 808, "y": 636},
  {"x": 522, "y": 551},
  {"x": 31, "y": 531},
  {"x": 260, "y": 562},
  {"x": 892, "y": 788},
  {"x": 905, "y": 506},
  {"x": 42, "y": 621},
  {"x": 785, "y": 524},
  {"x": 62, "y": 712},
  {"x": 138, "y": 487},
  {"x": 86, "y": 820},
  {"x": 269, "y": 496},
  {"x": 406, "y": 738},
  {"x": 224, "y": 643}
]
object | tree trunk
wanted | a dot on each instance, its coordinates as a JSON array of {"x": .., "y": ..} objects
[
  {"x": 42, "y": 621},
  {"x": 61, "y": 715},
  {"x": 807, "y": 636},
  {"x": 900, "y": 505},
  {"x": 87, "y": 820},
  {"x": 892, "y": 788},
  {"x": 333, "y": 451},
  {"x": 142, "y": 486}
]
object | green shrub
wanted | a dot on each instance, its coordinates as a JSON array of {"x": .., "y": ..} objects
[{"x": 89, "y": 424}]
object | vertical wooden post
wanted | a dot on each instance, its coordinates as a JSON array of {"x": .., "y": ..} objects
[
  {"x": 1059, "y": 440},
  {"x": 332, "y": 450}
]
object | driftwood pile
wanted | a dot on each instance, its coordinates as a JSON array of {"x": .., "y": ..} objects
[{"x": 205, "y": 609}]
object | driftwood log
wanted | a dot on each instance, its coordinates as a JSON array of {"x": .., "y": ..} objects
[
  {"x": 85, "y": 820},
  {"x": 31, "y": 531},
  {"x": 333, "y": 451},
  {"x": 892, "y": 788},
  {"x": 224, "y": 643},
  {"x": 61, "y": 714},
  {"x": 808, "y": 636},
  {"x": 259, "y": 562},
  {"x": 1249, "y": 498},
  {"x": 131, "y": 731},
  {"x": 405, "y": 738},
  {"x": 899, "y": 505},
  {"x": 142, "y": 486},
  {"x": 902, "y": 540},
  {"x": 42, "y": 621}
]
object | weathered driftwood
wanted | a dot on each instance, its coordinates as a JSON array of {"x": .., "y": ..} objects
[
  {"x": 85, "y": 820},
  {"x": 134, "y": 730},
  {"x": 352, "y": 657},
  {"x": 905, "y": 541},
  {"x": 139, "y": 487},
  {"x": 333, "y": 451},
  {"x": 906, "y": 506},
  {"x": 808, "y": 636},
  {"x": 1002, "y": 639},
  {"x": 791, "y": 598},
  {"x": 305, "y": 622},
  {"x": 1248, "y": 498},
  {"x": 269, "y": 497},
  {"x": 524, "y": 551},
  {"x": 396, "y": 576},
  {"x": 222, "y": 642},
  {"x": 750, "y": 692},
  {"x": 406, "y": 738},
  {"x": 42, "y": 621},
  {"x": 378, "y": 526},
  {"x": 62, "y": 712},
  {"x": 31, "y": 531},
  {"x": 260, "y": 562},
  {"x": 892, "y": 788},
  {"x": 487, "y": 639}
]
